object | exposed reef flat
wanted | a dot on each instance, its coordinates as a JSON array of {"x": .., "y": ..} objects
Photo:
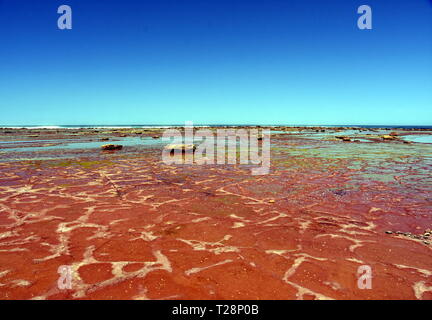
[{"x": 131, "y": 227}]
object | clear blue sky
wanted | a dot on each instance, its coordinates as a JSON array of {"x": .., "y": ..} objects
[{"x": 214, "y": 62}]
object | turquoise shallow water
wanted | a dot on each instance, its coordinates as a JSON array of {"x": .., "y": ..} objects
[
  {"x": 419, "y": 138},
  {"x": 318, "y": 146},
  {"x": 76, "y": 144}
]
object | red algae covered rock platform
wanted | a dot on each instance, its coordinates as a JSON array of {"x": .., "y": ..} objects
[{"x": 131, "y": 227}]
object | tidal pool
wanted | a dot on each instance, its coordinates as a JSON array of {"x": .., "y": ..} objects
[
  {"x": 419, "y": 138},
  {"x": 76, "y": 144}
]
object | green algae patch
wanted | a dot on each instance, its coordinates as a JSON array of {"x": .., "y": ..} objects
[
  {"x": 81, "y": 163},
  {"x": 268, "y": 189},
  {"x": 228, "y": 199},
  {"x": 306, "y": 162}
]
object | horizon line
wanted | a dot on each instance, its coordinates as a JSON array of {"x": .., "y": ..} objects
[{"x": 214, "y": 124}]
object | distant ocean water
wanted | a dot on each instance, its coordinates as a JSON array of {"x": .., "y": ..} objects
[{"x": 206, "y": 125}]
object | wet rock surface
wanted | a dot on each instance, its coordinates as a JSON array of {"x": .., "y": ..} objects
[{"x": 131, "y": 227}]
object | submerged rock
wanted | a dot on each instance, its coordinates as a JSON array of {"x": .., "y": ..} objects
[
  {"x": 346, "y": 139},
  {"x": 112, "y": 147}
]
